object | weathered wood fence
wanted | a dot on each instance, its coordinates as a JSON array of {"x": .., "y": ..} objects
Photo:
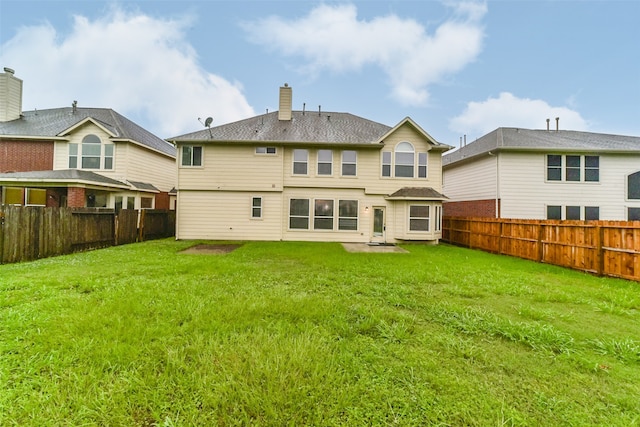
[
  {"x": 607, "y": 248},
  {"x": 28, "y": 233}
]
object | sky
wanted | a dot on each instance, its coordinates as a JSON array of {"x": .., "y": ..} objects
[{"x": 460, "y": 69}]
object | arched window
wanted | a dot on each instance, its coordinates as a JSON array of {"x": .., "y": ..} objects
[
  {"x": 633, "y": 186},
  {"x": 404, "y": 160},
  {"x": 91, "y": 150}
]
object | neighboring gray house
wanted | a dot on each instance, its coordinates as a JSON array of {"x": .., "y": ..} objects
[{"x": 544, "y": 174}]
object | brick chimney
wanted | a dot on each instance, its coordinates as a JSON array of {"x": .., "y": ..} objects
[
  {"x": 10, "y": 96},
  {"x": 284, "y": 111}
]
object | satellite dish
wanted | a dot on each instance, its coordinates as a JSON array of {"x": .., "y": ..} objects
[{"x": 208, "y": 121}]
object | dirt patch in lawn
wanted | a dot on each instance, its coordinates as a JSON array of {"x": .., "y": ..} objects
[{"x": 210, "y": 249}]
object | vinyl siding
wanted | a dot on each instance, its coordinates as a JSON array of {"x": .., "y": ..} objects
[
  {"x": 233, "y": 168},
  {"x": 61, "y": 152},
  {"x": 214, "y": 199},
  {"x": 472, "y": 181},
  {"x": 369, "y": 167},
  {"x": 525, "y": 193},
  {"x": 130, "y": 161},
  {"x": 226, "y": 215},
  {"x": 145, "y": 166}
]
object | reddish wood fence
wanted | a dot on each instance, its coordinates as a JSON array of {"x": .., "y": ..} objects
[
  {"x": 28, "y": 233},
  {"x": 607, "y": 248}
]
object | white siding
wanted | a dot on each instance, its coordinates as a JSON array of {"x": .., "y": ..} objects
[
  {"x": 472, "y": 181},
  {"x": 525, "y": 193}
]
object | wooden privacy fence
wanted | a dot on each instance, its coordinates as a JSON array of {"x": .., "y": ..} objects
[
  {"x": 607, "y": 248},
  {"x": 28, "y": 232}
]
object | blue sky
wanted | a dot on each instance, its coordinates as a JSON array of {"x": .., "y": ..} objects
[{"x": 456, "y": 68}]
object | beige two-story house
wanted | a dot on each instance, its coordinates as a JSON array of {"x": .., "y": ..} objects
[{"x": 310, "y": 175}]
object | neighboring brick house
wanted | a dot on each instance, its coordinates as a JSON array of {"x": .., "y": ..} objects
[
  {"x": 544, "y": 174},
  {"x": 304, "y": 175},
  {"x": 79, "y": 157}
]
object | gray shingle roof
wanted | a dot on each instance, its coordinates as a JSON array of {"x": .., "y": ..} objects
[
  {"x": 143, "y": 186},
  {"x": 51, "y": 122},
  {"x": 66, "y": 175},
  {"x": 417, "y": 193},
  {"x": 543, "y": 140},
  {"x": 310, "y": 127}
]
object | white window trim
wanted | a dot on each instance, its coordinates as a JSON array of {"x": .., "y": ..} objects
[
  {"x": 266, "y": 151},
  {"x": 428, "y": 218},
  {"x": 261, "y": 208},
  {"x": 318, "y": 162},
  {"x": 293, "y": 162},
  {"x": 192, "y": 166},
  {"x": 563, "y": 169},
  {"x": 343, "y": 163},
  {"x": 335, "y": 216}
]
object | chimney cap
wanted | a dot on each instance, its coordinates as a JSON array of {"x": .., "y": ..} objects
[{"x": 9, "y": 70}]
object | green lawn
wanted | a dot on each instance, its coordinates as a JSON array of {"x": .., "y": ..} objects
[{"x": 297, "y": 334}]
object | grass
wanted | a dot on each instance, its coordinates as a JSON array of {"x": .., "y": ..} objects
[{"x": 279, "y": 333}]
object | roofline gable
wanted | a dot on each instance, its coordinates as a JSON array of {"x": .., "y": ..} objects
[
  {"x": 82, "y": 123},
  {"x": 408, "y": 120}
]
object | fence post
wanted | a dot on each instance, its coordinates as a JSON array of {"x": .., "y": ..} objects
[
  {"x": 540, "y": 241},
  {"x": 141, "y": 226},
  {"x": 600, "y": 249},
  {"x": 1, "y": 234}
]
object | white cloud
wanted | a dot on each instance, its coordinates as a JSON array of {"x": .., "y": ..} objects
[
  {"x": 508, "y": 110},
  {"x": 333, "y": 38},
  {"x": 128, "y": 61}
]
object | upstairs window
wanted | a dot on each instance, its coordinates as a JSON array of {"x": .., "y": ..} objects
[
  {"x": 300, "y": 161},
  {"x": 633, "y": 186},
  {"x": 422, "y": 165},
  {"x": 592, "y": 168},
  {"x": 404, "y": 160},
  {"x": 108, "y": 156},
  {"x": 573, "y": 168},
  {"x": 191, "y": 155},
  {"x": 325, "y": 162},
  {"x": 386, "y": 163},
  {"x": 73, "y": 156},
  {"x": 266, "y": 150},
  {"x": 554, "y": 168},
  {"x": 91, "y": 150},
  {"x": 349, "y": 163}
]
